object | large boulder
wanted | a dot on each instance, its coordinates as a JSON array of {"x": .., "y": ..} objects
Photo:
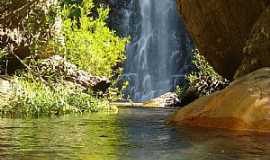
[
  {"x": 244, "y": 105},
  {"x": 169, "y": 99},
  {"x": 222, "y": 29},
  {"x": 56, "y": 67}
]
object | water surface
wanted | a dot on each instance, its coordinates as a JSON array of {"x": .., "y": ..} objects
[{"x": 133, "y": 134}]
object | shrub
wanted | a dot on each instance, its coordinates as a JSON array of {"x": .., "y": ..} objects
[
  {"x": 88, "y": 42},
  {"x": 202, "y": 68},
  {"x": 203, "y": 81}
]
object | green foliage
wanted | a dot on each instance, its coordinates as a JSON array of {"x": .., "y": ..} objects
[
  {"x": 200, "y": 82},
  {"x": 89, "y": 42},
  {"x": 33, "y": 97},
  {"x": 116, "y": 93},
  {"x": 3, "y": 53},
  {"x": 180, "y": 91},
  {"x": 203, "y": 68}
]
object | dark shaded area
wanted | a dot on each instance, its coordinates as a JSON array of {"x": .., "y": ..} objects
[
  {"x": 221, "y": 29},
  {"x": 24, "y": 25}
]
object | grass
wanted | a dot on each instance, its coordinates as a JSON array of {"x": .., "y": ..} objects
[{"x": 33, "y": 97}]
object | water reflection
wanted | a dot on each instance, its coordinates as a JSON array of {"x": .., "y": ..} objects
[
  {"x": 68, "y": 137},
  {"x": 224, "y": 145},
  {"x": 131, "y": 135}
]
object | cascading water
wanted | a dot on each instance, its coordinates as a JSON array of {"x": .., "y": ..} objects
[{"x": 160, "y": 50}]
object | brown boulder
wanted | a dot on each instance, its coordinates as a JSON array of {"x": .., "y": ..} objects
[
  {"x": 221, "y": 29},
  {"x": 244, "y": 105}
]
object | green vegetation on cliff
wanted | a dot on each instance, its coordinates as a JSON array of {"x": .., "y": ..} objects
[{"x": 202, "y": 81}]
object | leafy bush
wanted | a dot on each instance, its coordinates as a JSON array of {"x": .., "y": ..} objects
[
  {"x": 202, "y": 69},
  {"x": 180, "y": 91},
  {"x": 203, "y": 81},
  {"x": 88, "y": 42}
]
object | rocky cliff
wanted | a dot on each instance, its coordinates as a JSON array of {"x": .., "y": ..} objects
[{"x": 234, "y": 35}]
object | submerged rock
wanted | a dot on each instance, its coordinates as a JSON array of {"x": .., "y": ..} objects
[
  {"x": 167, "y": 100},
  {"x": 244, "y": 105},
  {"x": 56, "y": 66}
]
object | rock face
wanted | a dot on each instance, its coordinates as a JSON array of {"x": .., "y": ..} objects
[
  {"x": 244, "y": 105},
  {"x": 257, "y": 49},
  {"x": 23, "y": 25},
  {"x": 167, "y": 100},
  {"x": 223, "y": 29},
  {"x": 54, "y": 67}
]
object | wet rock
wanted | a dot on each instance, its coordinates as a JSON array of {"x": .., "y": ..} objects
[
  {"x": 169, "y": 99},
  {"x": 55, "y": 67},
  {"x": 243, "y": 105}
]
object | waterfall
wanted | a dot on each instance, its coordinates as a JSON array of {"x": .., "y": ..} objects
[{"x": 159, "y": 53}]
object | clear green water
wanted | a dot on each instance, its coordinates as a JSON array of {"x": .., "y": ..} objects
[{"x": 133, "y": 134}]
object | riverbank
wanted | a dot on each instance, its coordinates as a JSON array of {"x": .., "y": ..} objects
[
  {"x": 53, "y": 86},
  {"x": 60, "y": 57}
]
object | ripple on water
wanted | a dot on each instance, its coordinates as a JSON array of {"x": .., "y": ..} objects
[{"x": 132, "y": 134}]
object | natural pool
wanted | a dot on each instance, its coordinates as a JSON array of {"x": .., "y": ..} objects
[{"x": 133, "y": 134}]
